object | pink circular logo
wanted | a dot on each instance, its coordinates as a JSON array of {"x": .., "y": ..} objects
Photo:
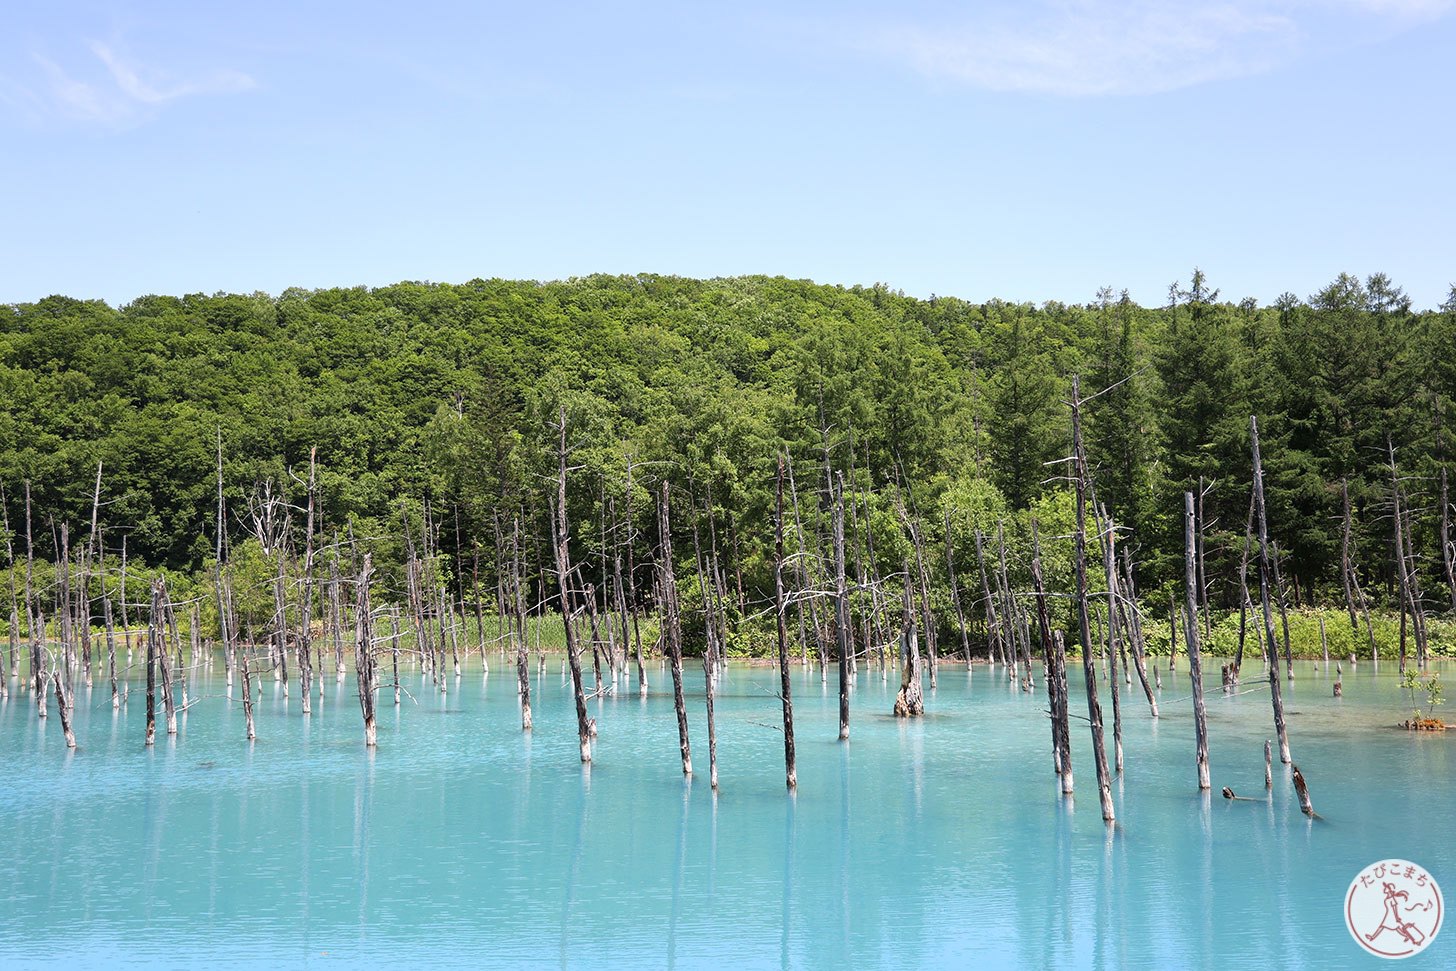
[{"x": 1393, "y": 909}]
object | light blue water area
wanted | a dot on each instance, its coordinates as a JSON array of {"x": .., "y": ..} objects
[{"x": 934, "y": 843}]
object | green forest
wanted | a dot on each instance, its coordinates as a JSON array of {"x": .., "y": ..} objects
[{"x": 437, "y": 405}]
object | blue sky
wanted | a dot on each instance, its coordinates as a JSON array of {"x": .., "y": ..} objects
[{"x": 1027, "y": 150}]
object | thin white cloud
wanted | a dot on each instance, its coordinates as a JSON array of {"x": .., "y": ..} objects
[
  {"x": 1107, "y": 47},
  {"x": 130, "y": 82},
  {"x": 1414, "y": 9},
  {"x": 124, "y": 93}
]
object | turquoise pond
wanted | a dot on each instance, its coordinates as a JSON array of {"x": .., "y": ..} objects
[{"x": 941, "y": 842}]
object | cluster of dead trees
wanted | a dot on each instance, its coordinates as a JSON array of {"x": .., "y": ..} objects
[{"x": 329, "y": 601}]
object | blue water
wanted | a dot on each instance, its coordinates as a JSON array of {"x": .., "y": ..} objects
[{"x": 935, "y": 843}]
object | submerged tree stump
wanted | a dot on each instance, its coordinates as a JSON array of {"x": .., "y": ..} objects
[
  {"x": 1302, "y": 790},
  {"x": 910, "y": 701}
]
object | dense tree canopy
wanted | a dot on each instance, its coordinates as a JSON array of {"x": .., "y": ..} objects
[{"x": 952, "y": 410}]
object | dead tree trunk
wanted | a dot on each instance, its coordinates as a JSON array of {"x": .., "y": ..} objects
[
  {"x": 1202, "y": 573},
  {"x": 791, "y": 775},
  {"x": 14, "y": 659},
  {"x": 712, "y": 631},
  {"x": 225, "y": 632},
  {"x": 1246, "y": 603},
  {"x": 84, "y": 599},
  {"x": 240, "y": 661},
  {"x": 1012, "y": 614},
  {"x": 1084, "y": 620},
  {"x": 805, "y": 583},
  {"x": 1195, "y": 661},
  {"x": 64, "y": 702},
  {"x": 63, "y": 607},
  {"x": 993, "y": 628},
  {"x": 305, "y": 608},
  {"x": 563, "y": 577},
  {"x": 1109, "y": 565},
  {"x": 108, "y": 619},
  {"x": 1448, "y": 548},
  {"x": 364, "y": 651},
  {"x": 910, "y": 702},
  {"x": 1281, "y": 601},
  {"x": 1172, "y": 633},
  {"x": 1135, "y": 626},
  {"x": 336, "y": 604},
  {"x": 955, "y": 592},
  {"x": 37, "y": 661},
  {"x": 1302, "y": 790},
  {"x": 632, "y": 588},
  {"x": 1410, "y": 584},
  {"x": 518, "y": 626},
  {"x": 1354, "y": 596},
  {"x": 1265, "y": 578},
  {"x": 33, "y": 621},
  {"x": 1056, "y": 656},
  {"x": 841, "y": 612},
  {"x": 163, "y": 663},
  {"x": 394, "y": 651},
  {"x": 672, "y": 625},
  {"x": 922, "y": 574},
  {"x": 154, "y": 648}
]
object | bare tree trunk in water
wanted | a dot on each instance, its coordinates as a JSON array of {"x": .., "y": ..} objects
[
  {"x": 1265, "y": 579},
  {"x": 955, "y": 593},
  {"x": 154, "y": 648},
  {"x": 804, "y": 580},
  {"x": 910, "y": 702},
  {"x": 1354, "y": 596},
  {"x": 305, "y": 608},
  {"x": 240, "y": 663},
  {"x": 841, "y": 612},
  {"x": 108, "y": 619},
  {"x": 14, "y": 660},
  {"x": 1281, "y": 601},
  {"x": 791, "y": 774},
  {"x": 1448, "y": 548},
  {"x": 672, "y": 625},
  {"x": 711, "y": 632},
  {"x": 33, "y": 619},
  {"x": 1195, "y": 661},
  {"x": 518, "y": 626},
  {"x": 1246, "y": 603},
  {"x": 1109, "y": 560},
  {"x": 1134, "y": 623},
  {"x": 394, "y": 651},
  {"x": 1056, "y": 660},
  {"x": 632, "y": 589},
  {"x": 1406, "y": 569},
  {"x": 563, "y": 576},
  {"x": 364, "y": 652},
  {"x": 993, "y": 629},
  {"x": 1094, "y": 710},
  {"x": 64, "y": 702}
]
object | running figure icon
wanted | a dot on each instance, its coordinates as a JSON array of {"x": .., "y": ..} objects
[{"x": 1393, "y": 909}]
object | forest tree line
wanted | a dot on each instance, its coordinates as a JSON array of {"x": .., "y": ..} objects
[{"x": 434, "y": 410}]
